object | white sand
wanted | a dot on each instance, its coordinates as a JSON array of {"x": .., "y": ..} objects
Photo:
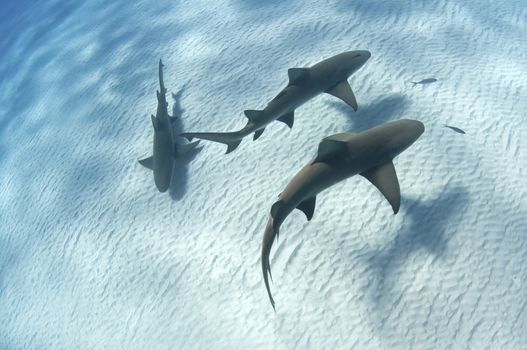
[{"x": 93, "y": 257}]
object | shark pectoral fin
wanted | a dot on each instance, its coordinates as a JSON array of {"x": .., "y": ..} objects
[
  {"x": 288, "y": 119},
  {"x": 253, "y": 114},
  {"x": 327, "y": 149},
  {"x": 181, "y": 150},
  {"x": 258, "y": 133},
  {"x": 385, "y": 179},
  {"x": 308, "y": 207},
  {"x": 154, "y": 122},
  {"x": 297, "y": 75},
  {"x": 147, "y": 162},
  {"x": 343, "y": 91}
]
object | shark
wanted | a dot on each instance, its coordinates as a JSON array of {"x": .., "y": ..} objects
[
  {"x": 340, "y": 156},
  {"x": 165, "y": 151},
  {"x": 329, "y": 76}
]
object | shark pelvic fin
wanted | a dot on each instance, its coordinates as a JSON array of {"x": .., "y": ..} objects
[
  {"x": 384, "y": 178},
  {"x": 308, "y": 207},
  {"x": 253, "y": 115},
  {"x": 147, "y": 162},
  {"x": 275, "y": 208},
  {"x": 181, "y": 150},
  {"x": 343, "y": 91},
  {"x": 297, "y": 75},
  {"x": 258, "y": 133},
  {"x": 231, "y": 146},
  {"x": 288, "y": 119},
  {"x": 274, "y": 214}
]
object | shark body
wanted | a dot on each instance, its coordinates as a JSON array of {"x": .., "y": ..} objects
[{"x": 329, "y": 75}]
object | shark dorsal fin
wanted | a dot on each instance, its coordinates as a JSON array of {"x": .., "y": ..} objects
[
  {"x": 343, "y": 91},
  {"x": 253, "y": 115},
  {"x": 155, "y": 122},
  {"x": 288, "y": 119},
  {"x": 147, "y": 162},
  {"x": 328, "y": 150},
  {"x": 385, "y": 179},
  {"x": 297, "y": 75},
  {"x": 258, "y": 133},
  {"x": 308, "y": 207}
]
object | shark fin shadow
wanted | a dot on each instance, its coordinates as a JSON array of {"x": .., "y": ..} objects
[
  {"x": 430, "y": 225},
  {"x": 379, "y": 111}
]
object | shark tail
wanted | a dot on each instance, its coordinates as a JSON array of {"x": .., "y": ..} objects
[
  {"x": 161, "y": 82},
  {"x": 267, "y": 243},
  {"x": 231, "y": 139}
]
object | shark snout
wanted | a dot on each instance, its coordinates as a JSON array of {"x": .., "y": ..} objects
[
  {"x": 411, "y": 129},
  {"x": 365, "y": 54}
]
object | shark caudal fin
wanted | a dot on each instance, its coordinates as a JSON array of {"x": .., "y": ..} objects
[
  {"x": 267, "y": 243},
  {"x": 231, "y": 139}
]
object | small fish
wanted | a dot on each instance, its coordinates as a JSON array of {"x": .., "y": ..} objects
[
  {"x": 458, "y": 130},
  {"x": 424, "y": 81}
]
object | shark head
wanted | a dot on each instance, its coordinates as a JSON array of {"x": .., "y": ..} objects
[
  {"x": 352, "y": 61},
  {"x": 403, "y": 134}
]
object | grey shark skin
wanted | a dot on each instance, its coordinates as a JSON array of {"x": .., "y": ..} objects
[
  {"x": 369, "y": 153},
  {"x": 329, "y": 75},
  {"x": 165, "y": 149}
]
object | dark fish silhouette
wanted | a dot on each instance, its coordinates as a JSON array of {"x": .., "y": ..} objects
[
  {"x": 329, "y": 75},
  {"x": 424, "y": 81},
  {"x": 458, "y": 130},
  {"x": 165, "y": 149},
  {"x": 369, "y": 153}
]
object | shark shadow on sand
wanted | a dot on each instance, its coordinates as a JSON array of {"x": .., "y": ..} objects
[
  {"x": 165, "y": 151},
  {"x": 430, "y": 225},
  {"x": 178, "y": 184},
  {"x": 377, "y": 112}
]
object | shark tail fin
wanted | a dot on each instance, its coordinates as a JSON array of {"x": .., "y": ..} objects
[
  {"x": 231, "y": 139},
  {"x": 267, "y": 243}
]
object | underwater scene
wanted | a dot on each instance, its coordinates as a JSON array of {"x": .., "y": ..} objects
[{"x": 241, "y": 174}]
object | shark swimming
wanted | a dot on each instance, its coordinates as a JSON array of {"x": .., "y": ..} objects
[
  {"x": 166, "y": 151},
  {"x": 340, "y": 156},
  {"x": 329, "y": 75}
]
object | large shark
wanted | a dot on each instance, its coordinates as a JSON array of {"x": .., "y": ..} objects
[
  {"x": 369, "y": 153},
  {"x": 165, "y": 149},
  {"x": 329, "y": 75}
]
